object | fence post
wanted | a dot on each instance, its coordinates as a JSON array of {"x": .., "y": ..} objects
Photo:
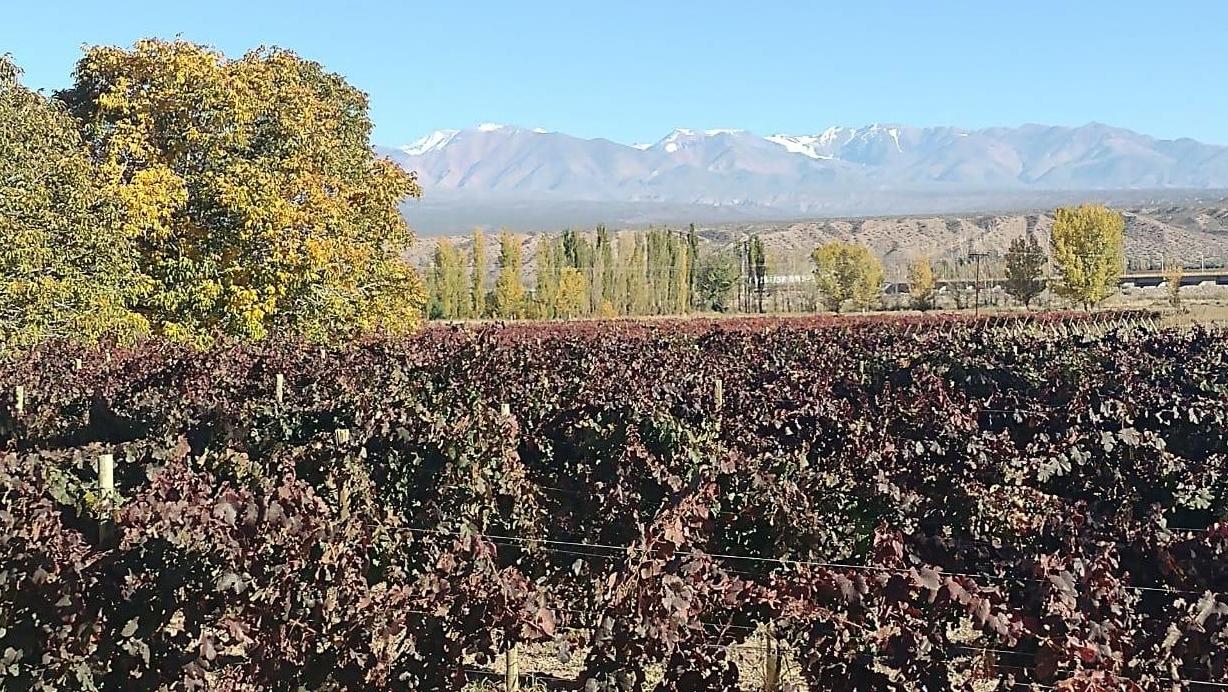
[
  {"x": 718, "y": 392},
  {"x": 76, "y": 364},
  {"x": 279, "y": 387},
  {"x": 19, "y": 393},
  {"x": 771, "y": 664},
  {"x": 511, "y": 679},
  {"x": 505, "y": 409},
  {"x": 106, "y": 492}
]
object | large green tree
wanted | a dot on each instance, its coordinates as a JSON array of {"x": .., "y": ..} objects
[
  {"x": 1025, "y": 261},
  {"x": 250, "y": 191},
  {"x": 67, "y": 269},
  {"x": 716, "y": 273}
]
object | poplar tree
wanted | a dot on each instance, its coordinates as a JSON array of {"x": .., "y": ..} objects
[
  {"x": 608, "y": 266},
  {"x": 477, "y": 278},
  {"x": 692, "y": 242},
  {"x": 571, "y": 296},
  {"x": 757, "y": 264},
  {"x": 549, "y": 265},
  {"x": 509, "y": 292},
  {"x": 447, "y": 282},
  {"x": 639, "y": 296}
]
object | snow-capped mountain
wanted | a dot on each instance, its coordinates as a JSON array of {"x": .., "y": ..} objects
[{"x": 876, "y": 169}]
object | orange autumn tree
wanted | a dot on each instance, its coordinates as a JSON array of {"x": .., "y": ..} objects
[{"x": 250, "y": 190}]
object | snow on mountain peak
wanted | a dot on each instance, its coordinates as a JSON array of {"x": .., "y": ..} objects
[
  {"x": 670, "y": 142},
  {"x": 432, "y": 142},
  {"x": 490, "y": 127},
  {"x": 673, "y": 141},
  {"x": 806, "y": 145}
]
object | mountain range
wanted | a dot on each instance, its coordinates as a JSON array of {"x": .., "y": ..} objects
[{"x": 504, "y": 175}]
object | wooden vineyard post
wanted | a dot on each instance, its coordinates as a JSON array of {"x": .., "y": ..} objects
[
  {"x": 106, "y": 492},
  {"x": 19, "y": 394},
  {"x": 505, "y": 409},
  {"x": 771, "y": 664},
  {"x": 718, "y": 392},
  {"x": 511, "y": 679},
  {"x": 279, "y": 387},
  {"x": 76, "y": 364},
  {"x": 341, "y": 437}
]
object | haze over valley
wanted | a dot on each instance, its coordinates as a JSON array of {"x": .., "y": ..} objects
[{"x": 532, "y": 179}]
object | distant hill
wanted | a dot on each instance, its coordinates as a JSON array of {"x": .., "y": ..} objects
[
  {"x": 1193, "y": 233},
  {"x": 496, "y": 175}
]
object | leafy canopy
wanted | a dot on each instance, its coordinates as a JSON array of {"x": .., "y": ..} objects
[
  {"x": 847, "y": 272},
  {"x": 1089, "y": 249},
  {"x": 921, "y": 283},
  {"x": 1024, "y": 263},
  {"x": 509, "y": 298},
  {"x": 249, "y": 190},
  {"x": 571, "y": 293},
  {"x": 67, "y": 271},
  {"x": 715, "y": 275}
]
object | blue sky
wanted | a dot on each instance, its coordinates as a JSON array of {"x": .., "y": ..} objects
[{"x": 633, "y": 70}]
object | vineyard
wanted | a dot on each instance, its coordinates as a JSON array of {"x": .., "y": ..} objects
[{"x": 835, "y": 503}]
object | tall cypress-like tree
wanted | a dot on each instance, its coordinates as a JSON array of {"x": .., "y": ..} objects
[
  {"x": 477, "y": 290},
  {"x": 447, "y": 282},
  {"x": 625, "y": 269},
  {"x": 639, "y": 291},
  {"x": 757, "y": 262},
  {"x": 692, "y": 242},
  {"x": 509, "y": 292},
  {"x": 682, "y": 278},
  {"x": 549, "y": 264},
  {"x": 608, "y": 267}
]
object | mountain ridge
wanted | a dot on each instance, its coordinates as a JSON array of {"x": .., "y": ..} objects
[{"x": 728, "y": 173}]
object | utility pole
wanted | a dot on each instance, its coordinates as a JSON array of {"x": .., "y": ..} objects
[{"x": 976, "y": 309}]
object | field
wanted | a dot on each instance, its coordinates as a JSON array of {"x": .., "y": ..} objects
[{"x": 1019, "y": 502}]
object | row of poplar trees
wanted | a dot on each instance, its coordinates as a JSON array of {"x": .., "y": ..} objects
[{"x": 577, "y": 274}]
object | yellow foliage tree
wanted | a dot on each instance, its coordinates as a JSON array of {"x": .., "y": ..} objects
[
  {"x": 66, "y": 269},
  {"x": 847, "y": 272},
  {"x": 250, "y": 191},
  {"x": 1089, "y": 249},
  {"x": 509, "y": 299},
  {"x": 572, "y": 294},
  {"x": 921, "y": 283},
  {"x": 446, "y": 286},
  {"x": 477, "y": 276},
  {"x": 1174, "y": 272}
]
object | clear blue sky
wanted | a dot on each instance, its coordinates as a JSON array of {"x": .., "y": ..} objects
[{"x": 634, "y": 69}]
